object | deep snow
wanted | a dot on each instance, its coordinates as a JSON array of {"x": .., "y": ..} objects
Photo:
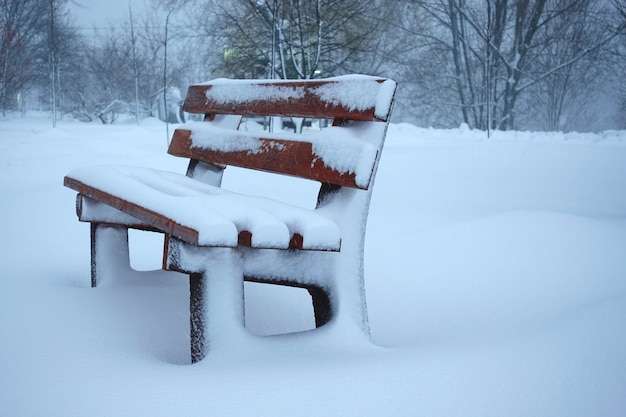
[{"x": 495, "y": 277}]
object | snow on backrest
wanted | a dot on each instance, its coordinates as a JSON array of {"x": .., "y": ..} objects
[
  {"x": 334, "y": 155},
  {"x": 345, "y": 154},
  {"x": 352, "y": 97}
]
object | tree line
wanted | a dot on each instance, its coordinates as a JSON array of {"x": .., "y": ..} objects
[{"x": 490, "y": 64}]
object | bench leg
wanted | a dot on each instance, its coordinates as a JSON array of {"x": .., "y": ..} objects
[
  {"x": 109, "y": 251},
  {"x": 322, "y": 308},
  {"x": 216, "y": 303},
  {"x": 197, "y": 302}
]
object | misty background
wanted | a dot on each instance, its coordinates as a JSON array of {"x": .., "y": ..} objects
[{"x": 554, "y": 65}]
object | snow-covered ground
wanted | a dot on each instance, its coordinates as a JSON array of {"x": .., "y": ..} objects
[{"x": 495, "y": 277}]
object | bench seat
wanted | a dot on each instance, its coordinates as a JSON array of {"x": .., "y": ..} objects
[{"x": 202, "y": 214}]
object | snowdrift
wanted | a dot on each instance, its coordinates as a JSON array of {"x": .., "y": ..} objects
[{"x": 495, "y": 275}]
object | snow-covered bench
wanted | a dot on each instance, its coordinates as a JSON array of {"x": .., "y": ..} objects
[{"x": 219, "y": 237}]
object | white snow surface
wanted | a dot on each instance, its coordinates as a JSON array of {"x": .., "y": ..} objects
[
  {"x": 223, "y": 91},
  {"x": 495, "y": 277}
]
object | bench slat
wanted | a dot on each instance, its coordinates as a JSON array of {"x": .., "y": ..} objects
[
  {"x": 158, "y": 221},
  {"x": 202, "y": 214},
  {"x": 275, "y": 154},
  {"x": 361, "y": 98}
]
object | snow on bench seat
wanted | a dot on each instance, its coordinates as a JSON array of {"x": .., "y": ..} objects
[
  {"x": 202, "y": 214},
  {"x": 336, "y": 155}
]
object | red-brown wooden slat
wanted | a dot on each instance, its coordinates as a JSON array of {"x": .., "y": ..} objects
[
  {"x": 153, "y": 218},
  {"x": 156, "y": 221},
  {"x": 289, "y": 157},
  {"x": 308, "y": 105}
]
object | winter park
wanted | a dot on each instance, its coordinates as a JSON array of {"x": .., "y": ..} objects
[{"x": 474, "y": 265}]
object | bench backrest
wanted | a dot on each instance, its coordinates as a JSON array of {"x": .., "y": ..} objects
[
  {"x": 348, "y": 97},
  {"x": 345, "y": 154}
]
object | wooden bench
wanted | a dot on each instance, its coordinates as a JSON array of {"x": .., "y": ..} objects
[{"x": 221, "y": 238}]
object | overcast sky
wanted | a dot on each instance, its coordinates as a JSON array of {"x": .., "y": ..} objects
[{"x": 102, "y": 12}]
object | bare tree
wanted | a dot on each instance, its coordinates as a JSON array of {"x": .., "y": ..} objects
[
  {"x": 292, "y": 38},
  {"x": 59, "y": 62},
  {"x": 39, "y": 51},
  {"x": 162, "y": 39},
  {"x": 620, "y": 69},
  {"x": 20, "y": 40},
  {"x": 128, "y": 70},
  {"x": 489, "y": 57},
  {"x": 135, "y": 60},
  {"x": 565, "y": 99},
  {"x": 111, "y": 82},
  {"x": 54, "y": 60}
]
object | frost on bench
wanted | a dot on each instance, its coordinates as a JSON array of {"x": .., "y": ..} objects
[{"x": 221, "y": 238}]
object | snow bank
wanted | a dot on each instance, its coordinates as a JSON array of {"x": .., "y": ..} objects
[{"x": 494, "y": 274}]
